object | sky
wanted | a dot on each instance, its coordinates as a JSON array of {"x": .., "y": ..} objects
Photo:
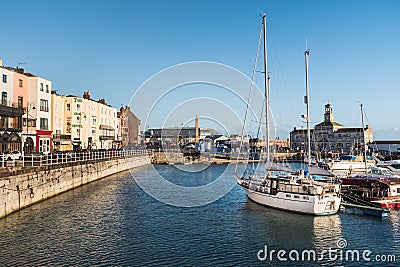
[{"x": 113, "y": 48}]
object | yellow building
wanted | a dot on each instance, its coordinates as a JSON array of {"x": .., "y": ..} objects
[
  {"x": 83, "y": 123},
  {"x": 61, "y": 138}
]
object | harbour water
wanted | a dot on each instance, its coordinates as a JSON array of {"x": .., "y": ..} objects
[{"x": 114, "y": 222}]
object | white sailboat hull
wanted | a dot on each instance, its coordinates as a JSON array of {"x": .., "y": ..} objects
[{"x": 326, "y": 204}]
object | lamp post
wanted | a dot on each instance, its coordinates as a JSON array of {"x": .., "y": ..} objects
[
  {"x": 29, "y": 106},
  {"x": 83, "y": 115}
]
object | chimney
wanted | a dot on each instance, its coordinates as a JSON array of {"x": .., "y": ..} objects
[
  {"x": 86, "y": 95},
  {"x": 102, "y": 101},
  {"x": 19, "y": 70}
]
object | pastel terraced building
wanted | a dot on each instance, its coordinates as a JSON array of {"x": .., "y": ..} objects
[
  {"x": 61, "y": 139},
  {"x": 85, "y": 123},
  {"x": 33, "y": 117},
  {"x": 11, "y": 111},
  {"x": 39, "y": 96}
]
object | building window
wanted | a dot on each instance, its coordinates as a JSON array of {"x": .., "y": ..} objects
[
  {"x": 78, "y": 107},
  {"x": 4, "y": 78},
  {"x": 20, "y": 101},
  {"x": 68, "y": 107},
  {"x": 4, "y": 98},
  {"x": 44, "y": 124},
  {"x": 93, "y": 132},
  {"x": 41, "y": 86},
  {"x": 47, "y": 88},
  {"x": 94, "y": 121},
  {"x": 31, "y": 123},
  {"x": 20, "y": 83},
  {"x": 44, "y": 105}
]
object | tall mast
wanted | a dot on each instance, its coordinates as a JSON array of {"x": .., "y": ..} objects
[
  {"x": 365, "y": 151},
  {"x": 266, "y": 87},
  {"x": 306, "y": 101}
]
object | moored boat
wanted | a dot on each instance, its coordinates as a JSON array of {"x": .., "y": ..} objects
[
  {"x": 348, "y": 164},
  {"x": 284, "y": 188},
  {"x": 297, "y": 193},
  {"x": 382, "y": 192}
]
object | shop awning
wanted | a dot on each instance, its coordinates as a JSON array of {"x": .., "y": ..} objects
[{"x": 106, "y": 127}]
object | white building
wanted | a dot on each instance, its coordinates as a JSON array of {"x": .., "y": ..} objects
[
  {"x": 6, "y": 85},
  {"x": 39, "y": 96},
  {"x": 108, "y": 125}
]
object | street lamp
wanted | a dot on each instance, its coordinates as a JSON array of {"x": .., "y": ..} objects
[
  {"x": 82, "y": 115},
  {"x": 29, "y": 106}
]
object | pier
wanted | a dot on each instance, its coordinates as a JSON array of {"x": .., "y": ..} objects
[{"x": 176, "y": 157}]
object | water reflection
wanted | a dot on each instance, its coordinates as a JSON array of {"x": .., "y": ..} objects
[{"x": 114, "y": 222}]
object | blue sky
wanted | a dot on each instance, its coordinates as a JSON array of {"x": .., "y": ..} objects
[{"x": 112, "y": 47}]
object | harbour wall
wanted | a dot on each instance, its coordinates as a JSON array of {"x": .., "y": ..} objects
[{"x": 22, "y": 187}]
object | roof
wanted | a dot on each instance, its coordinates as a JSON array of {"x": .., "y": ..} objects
[
  {"x": 350, "y": 130},
  {"x": 30, "y": 74},
  {"x": 387, "y": 142},
  {"x": 301, "y": 130},
  {"x": 328, "y": 123}
]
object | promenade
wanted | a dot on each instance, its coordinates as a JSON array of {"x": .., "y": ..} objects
[{"x": 26, "y": 182}]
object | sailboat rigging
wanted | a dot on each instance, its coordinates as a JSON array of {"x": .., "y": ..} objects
[{"x": 282, "y": 187}]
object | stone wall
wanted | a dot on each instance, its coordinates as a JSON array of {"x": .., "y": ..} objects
[{"x": 24, "y": 187}]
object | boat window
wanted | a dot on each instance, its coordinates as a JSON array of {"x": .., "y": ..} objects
[
  {"x": 287, "y": 195},
  {"x": 295, "y": 196},
  {"x": 305, "y": 197},
  {"x": 398, "y": 190}
]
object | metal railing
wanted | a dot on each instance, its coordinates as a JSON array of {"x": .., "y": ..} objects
[
  {"x": 12, "y": 104},
  {"x": 73, "y": 157},
  {"x": 61, "y": 137}
]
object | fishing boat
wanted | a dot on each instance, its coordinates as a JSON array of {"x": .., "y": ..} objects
[
  {"x": 312, "y": 191},
  {"x": 375, "y": 191}
]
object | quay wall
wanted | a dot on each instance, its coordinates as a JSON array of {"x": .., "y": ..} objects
[{"x": 29, "y": 185}]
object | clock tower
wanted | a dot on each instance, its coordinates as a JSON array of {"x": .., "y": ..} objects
[{"x": 328, "y": 117}]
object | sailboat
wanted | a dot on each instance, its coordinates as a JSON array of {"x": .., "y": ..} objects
[{"x": 307, "y": 191}]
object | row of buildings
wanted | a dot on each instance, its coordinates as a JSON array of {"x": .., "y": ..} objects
[{"x": 33, "y": 117}]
